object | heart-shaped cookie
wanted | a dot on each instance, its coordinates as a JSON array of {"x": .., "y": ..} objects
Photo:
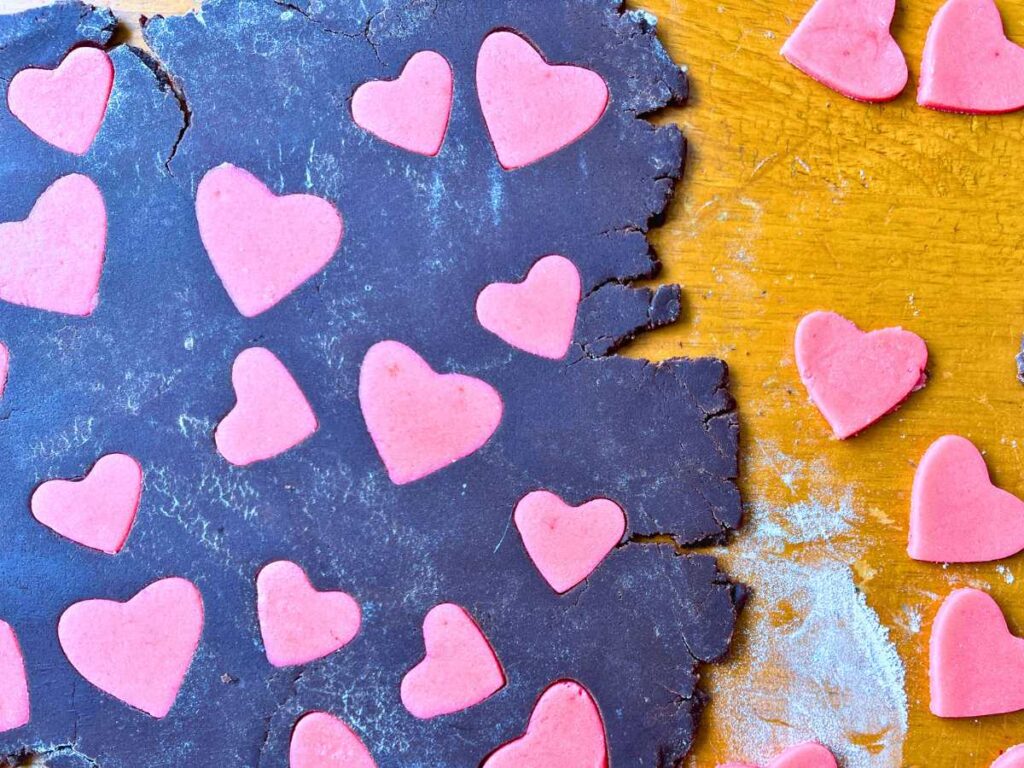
[
  {"x": 422, "y": 421},
  {"x": 1011, "y": 758},
  {"x": 138, "y": 651},
  {"x": 537, "y": 315},
  {"x": 96, "y": 511},
  {"x": 14, "y": 699},
  {"x": 855, "y": 378},
  {"x": 532, "y": 108},
  {"x": 320, "y": 740},
  {"x": 263, "y": 246},
  {"x": 53, "y": 259},
  {"x": 806, "y": 755},
  {"x": 412, "y": 111},
  {"x": 5, "y": 364}
]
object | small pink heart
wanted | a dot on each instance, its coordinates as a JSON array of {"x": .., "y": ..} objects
[
  {"x": 97, "y": 511},
  {"x": 968, "y": 63},
  {"x": 568, "y": 543},
  {"x": 421, "y": 421},
  {"x": 5, "y": 364},
  {"x": 263, "y": 246},
  {"x": 53, "y": 260},
  {"x": 411, "y": 112},
  {"x": 320, "y": 740},
  {"x": 272, "y": 414},
  {"x": 14, "y": 701},
  {"x": 138, "y": 651},
  {"x": 537, "y": 315},
  {"x": 459, "y": 669},
  {"x": 806, "y": 755},
  {"x": 1011, "y": 758},
  {"x": 533, "y": 109},
  {"x": 565, "y": 731},
  {"x": 976, "y": 665},
  {"x": 855, "y": 378},
  {"x": 846, "y": 45},
  {"x": 298, "y": 623},
  {"x": 65, "y": 106}
]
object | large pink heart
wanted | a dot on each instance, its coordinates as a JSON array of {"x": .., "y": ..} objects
[
  {"x": 976, "y": 665},
  {"x": 53, "y": 259},
  {"x": 806, "y": 755},
  {"x": 459, "y": 669},
  {"x": 421, "y": 421},
  {"x": 14, "y": 700},
  {"x": 533, "y": 109},
  {"x": 853, "y": 377},
  {"x": 138, "y": 651},
  {"x": 320, "y": 740},
  {"x": 97, "y": 511},
  {"x": 968, "y": 64},
  {"x": 846, "y": 45},
  {"x": 565, "y": 730},
  {"x": 263, "y": 246},
  {"x": 1011, "y": 758},
  {"x": 65, "y": 106}
]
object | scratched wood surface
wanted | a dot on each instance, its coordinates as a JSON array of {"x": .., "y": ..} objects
[{"x": 798, "y": 199}]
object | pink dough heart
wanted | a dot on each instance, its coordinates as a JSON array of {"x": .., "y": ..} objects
[
  {"x": 537, "y": 315},
  {"x": 53, "y": 259},
  {"x": 272, "y": 414},
  {"x": 806, "y": 755},
  {"x": 65, "y": 106},
  {"x": 565, "y": 731},
  {"x": 533, "y": 109},
  {"x": 567, "y": 543},
  {"x": 5, "y": 363},
  {"x": 263, "y": 246},
  {"x": 298, "y": 623},
  {"x": 1011, "y": 758},
  {"x": 846, "y": 45},
  {"x": 14, "y": 702},
  {"x": 459, "y": 669},
  {"x": 320, "y": 740},
  {"x": 976, "y": 665},
  {"x": 138, "y": 651},
  {"x": 855, "y": 378},
  {"x": 97, "y": 511},
  {"x": 956, "y": 514},
  {"x": 422, "y": 421},
  {"x": 411, "y": 112},
  {"x": 968, "y": 64}
]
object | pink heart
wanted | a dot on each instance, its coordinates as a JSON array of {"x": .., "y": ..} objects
[
  {"x": 976, "y": 665},
  {"x": 53, "y": 259},
  {"x": 533, "y": 109},
  {"x": 272, "y": 414},
  {"x": 459, "y": 669},
  {"x": 65, "y": 106},
  {"x": 846, "y": 45},
  {"x": 5, "y": 361},
  {"x": 567, "y": 543},
  {"x": 968, "y": 64},
  {"x": 320, "y": 740},
  {"x": 565, "y": 731},
  {"x": 537, "y": 315},
  {"x": 855, "y": 378},
  {"x": 14, "y": 701},
  {"x": 97, "y": 511},
  {"x": 263, "y": 246},
  {"x": 411, "y": 112},
  {"x": 806, "y": 755},
  {"x": 1011, "y": 758},
  {"x": 138, "y": 651},
  {"x": 421, "y": 421},
  {"x": 298, "y": 623}
]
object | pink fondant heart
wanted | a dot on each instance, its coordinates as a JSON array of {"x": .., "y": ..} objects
[
  {"x": 421, "y": 421},
  {"x": 298, "y": 623},
  {"x": 320, "y": 740},
  {"x": 806, "y": 755},
  {"x": 459, "y": 669},
  {"x": 53, "y": 259},
  {"x": 272, "y": 414},
  {"x": 138, "y": 651},
  {"x": 97, "y": 511},
  {"x": 1011, "y": 758},
  {"x": 5, "y": 362},
  {"x": 65, "y": 106},
  {"x": 537, "y": 315},
  {"x": 263, "y": 246},
  {"x": 968, "y": 64},
  {"x": 976, "y": 665},
  {"x": 855, "y": 378},
  {"x": 565, "y": 731},
  {"x": 533, "y": 109},
  {"x": 411, "y": 112},
  {"x": 14, "y": 701},
  {"x": 846, "y": 45},
  {"x": 567, "y": 543}
]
